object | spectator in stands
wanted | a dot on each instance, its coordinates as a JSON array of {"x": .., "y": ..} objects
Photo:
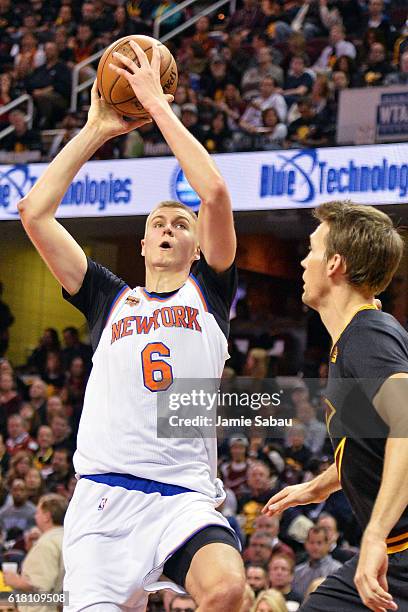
[
  {"x": 259, "y": 549},
  {"x": 20, "y": 464},
  {"x": 17, "y": 517},
  {"x": 338, "y": 552},
  {"x": 122, "y": 25},
  {"x": 49, "y": 341},
  {"x": 349, "y": 67},
  {"x": 202, "y": 34},
  {"x": 75, "y": 348},
  {"x": 6, "y": 95},
  {"x": 31, "y": 537},
  {"x": 296, "y": 450},
  {"x": 84, "y": 45},
  {"x": 73, "y": 392},
  {"x": 58, "y": 480},
  {"x": 270, "y": 601},
  {"x": 35, "y": 485},
  {"x": 183, "y": 603},
  {"x": 234, "y": 471},
  {"x": 43, "y": 456},
  {"x": 270, "y": 525},
  {"x": 281, "y": 574},
  {"x": 238, "y": 55},
  {"x": 22, "y": 138},
  {"x": 50, "y": 86},
  {"x": 400, "y": 77},
  {"x": 376, "y": 19},
  {"x": 10, "y": 400},
  {"x": 62, "y": 433},
  {"x": 377, "y": 68},
  {"x": 65, "y": 19},
  {"x": 54, "y": 375},
  {"x": 28, "y": 49},
  {"x": 218, "y": 137},
  {"x": 268, "y": 98},
  {"x": 65, "y": 52},
  {"x": 259, "y": 491},
  {"x": 256, "y": 577},
  {"x": 18, "y": 438},
  {"x": 252, "y": 77},
  {"x": 93, "y": 14},
  {"x": 43, "y": 567},
  {"x": 309, "y": 130},
  {"x": 298, "y": 81},
  {"x": 38, "y": 398},
  {"x": 247, "y": 19},
  {"x": 337, "y": 47},
  {"x": 315, "y": 430},
  {"x": 319, "y": 562},
  {"x": 6, "y": 321},
  {"x": 215, "y": 78},
  {"x": 189, "y": 118},
  {"x": 54, "y": 408},
  {"x": 272, "y": 133}
]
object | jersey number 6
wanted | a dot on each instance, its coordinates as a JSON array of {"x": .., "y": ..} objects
[{"x": 157, "y": 374}]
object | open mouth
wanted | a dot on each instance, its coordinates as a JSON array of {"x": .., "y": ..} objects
[{"x": 165, "y": 245}]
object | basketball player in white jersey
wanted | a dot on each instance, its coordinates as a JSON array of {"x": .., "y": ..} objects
[{"x": 145, "y": 506}]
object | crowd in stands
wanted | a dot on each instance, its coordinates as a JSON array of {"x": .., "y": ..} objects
[
  {"x": 265, "y": 77},
  {"x": 285, "y": 557}
]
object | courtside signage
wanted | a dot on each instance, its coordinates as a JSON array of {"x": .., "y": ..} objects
[{"x": 293, "y": 178}]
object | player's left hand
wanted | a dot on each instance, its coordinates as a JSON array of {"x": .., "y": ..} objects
[
  {"x": 371, "y": 574},
  {"x": 145, "y": 78}
]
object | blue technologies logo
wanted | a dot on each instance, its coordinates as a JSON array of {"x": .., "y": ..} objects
[
  {"x": 301, "y": 176},
  {"x": 182, "y": 190},
  {"x": 15, "y": 183}
]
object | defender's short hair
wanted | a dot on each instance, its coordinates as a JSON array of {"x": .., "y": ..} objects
[{"x": 366, "y": 239}]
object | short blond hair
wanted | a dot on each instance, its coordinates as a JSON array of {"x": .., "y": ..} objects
[
  {"x": 366, "y": 239},
  {"x": 273, "y": 598},
  {"x": 171, "y": 204}
]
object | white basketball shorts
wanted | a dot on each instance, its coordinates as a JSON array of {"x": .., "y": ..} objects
[{"x": 116, "y": 539}]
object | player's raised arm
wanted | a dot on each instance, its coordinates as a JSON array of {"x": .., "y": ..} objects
[
  {"x": 62, "y": 254},
  {"x": 216, "y": 232}
]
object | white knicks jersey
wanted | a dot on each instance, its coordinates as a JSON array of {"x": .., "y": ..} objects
[{"x": 143, "y": 339}]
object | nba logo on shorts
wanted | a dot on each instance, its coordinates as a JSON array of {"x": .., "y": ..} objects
[{"x": 102, "y": 503}]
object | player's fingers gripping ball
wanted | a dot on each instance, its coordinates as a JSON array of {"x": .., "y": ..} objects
[{"x": 116, "y": 90}]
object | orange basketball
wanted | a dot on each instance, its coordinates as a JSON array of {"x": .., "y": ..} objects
[{"x": 115, "y": 89}]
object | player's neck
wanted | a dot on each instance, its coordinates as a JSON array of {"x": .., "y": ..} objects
[
  {"x": 163, "y": 281},
  {"x": 340, "y": 309}
]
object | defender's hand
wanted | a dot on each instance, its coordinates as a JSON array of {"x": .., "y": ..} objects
[
  {"x": 144, "y": 79},
  {"x": 289, "y": 497},
  {"x": 371, "y": 575},
  {"x": 106, "y": 120}
]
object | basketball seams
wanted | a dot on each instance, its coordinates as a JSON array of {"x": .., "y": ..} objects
[{"x": 113, "y": 79}]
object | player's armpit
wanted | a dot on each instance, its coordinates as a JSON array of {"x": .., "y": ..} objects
[
  {"x": 216, "y": 232},
  {"x": 64, "y": 257},
  {"x": 390, "y": 403}
]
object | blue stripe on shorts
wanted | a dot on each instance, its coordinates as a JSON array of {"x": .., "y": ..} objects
[{"x": 134, "y": 483}]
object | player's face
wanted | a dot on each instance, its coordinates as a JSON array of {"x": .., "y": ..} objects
[
  {"x": 170, "y": 241},
  {"x": 315, "y": 278}
]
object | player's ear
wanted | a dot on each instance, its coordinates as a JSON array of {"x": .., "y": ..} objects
[
  {"x": 197, "y": 253},
  {"x": 142, "y": 243},
  {"x": 336, "y": 264}
]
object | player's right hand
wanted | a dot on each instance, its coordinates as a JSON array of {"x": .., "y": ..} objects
[
  {"x": 289, "y": 497},
  {"x": 106, "y": 120}
]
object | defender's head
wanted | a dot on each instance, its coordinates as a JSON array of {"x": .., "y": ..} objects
[{"x": 354, "y": 246}]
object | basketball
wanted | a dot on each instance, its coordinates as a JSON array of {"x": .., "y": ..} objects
[{"x": 115, "y": 89}]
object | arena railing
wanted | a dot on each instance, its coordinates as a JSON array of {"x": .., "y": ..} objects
[
  {"x": 28, "y": 116},
  {"x": 78, "y": 87}
]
